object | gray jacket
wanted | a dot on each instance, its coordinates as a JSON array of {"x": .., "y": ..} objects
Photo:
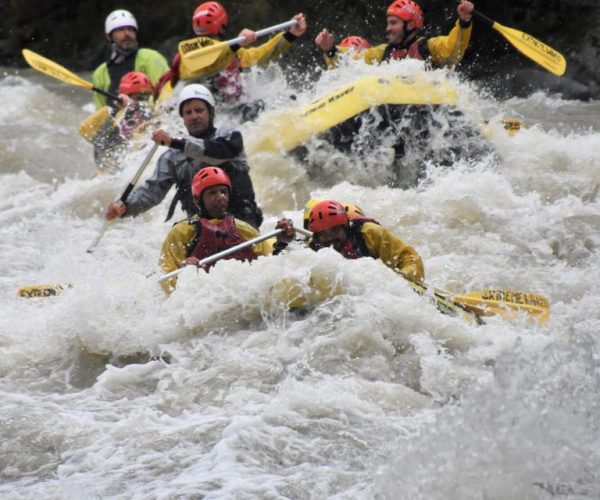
[{"x": 219, "y": 147}]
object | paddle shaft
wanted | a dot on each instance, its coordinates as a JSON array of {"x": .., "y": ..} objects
[
  {"x": 263, "y": 32},
  {"x": 55, "y": 70},
  {"x": 138, "y": 174},
  {"x": 106, "y": 93},
  {"x": 125, "y": 195},
  {"x": 486, "y": 302},
  {"x": 224, "y": 253},
  {"x": 197, "y": 54}
]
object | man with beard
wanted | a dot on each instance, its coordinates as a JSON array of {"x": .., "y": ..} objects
[
  {"x": 205, "y": 146},
  {"x": 404, "y": 23},
  {"x": 211, "y": 231},
  {"x": 121, "y": 30},
  {"x": 223, "y": 76},
  {"x": 354, "y": 238}
]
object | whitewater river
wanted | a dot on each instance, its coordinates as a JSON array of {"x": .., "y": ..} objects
[{"x": 111, "y": 390}]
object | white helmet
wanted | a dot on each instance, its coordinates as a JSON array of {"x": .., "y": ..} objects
[
  {"x": 195, "y": 91},
  {"x": 119, "y": 19}
]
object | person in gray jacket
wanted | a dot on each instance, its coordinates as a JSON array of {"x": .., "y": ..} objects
[{"x": 206, "y": 145}]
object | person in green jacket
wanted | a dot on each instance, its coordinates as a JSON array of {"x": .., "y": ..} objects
[
  {"x": 121, "y": 30},
  {"x": 404, "y": 23}
]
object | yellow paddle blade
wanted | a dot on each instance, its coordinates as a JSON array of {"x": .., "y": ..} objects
[
  {"x": 506, "y": 303},
  {"x": 535, "y": 50},
  {"x": 199, "y": 53},
  {"x": 301, "y": 123},
  {"x": 33, "y": 291},
  {"x": 54, "y": 70}
]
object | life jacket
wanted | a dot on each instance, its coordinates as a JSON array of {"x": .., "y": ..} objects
[
  {"x": 116, "y": 71},
  {"x": 228, "y": 82},
  {"x": 132, "y": 118},
  {"x": 211, "y": 239},
  {"x": 355, "y": 246},
  {"x": 416, "y": 50}
]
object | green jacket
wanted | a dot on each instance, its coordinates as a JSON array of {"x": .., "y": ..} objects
[{"x": 148, "y": 61}]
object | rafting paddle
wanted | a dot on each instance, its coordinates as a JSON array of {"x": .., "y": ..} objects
[
  {"x": 540, "y": 53},
  {"x": 224, "y": 253},
  {"x": 125, "y": 195},
  {"x": 32, "y": 291},
  {"x": 57, "y": 71},
  {"x": 492, "y": 302},
  {"x": 198, "y": 53}
]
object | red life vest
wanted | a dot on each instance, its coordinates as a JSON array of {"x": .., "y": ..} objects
[
  {"x": 228, "y": 82},
  {"x": 412, "y": 52},
  {"x": 355, "y": 247},
  {"x": 213, "y": 238}
]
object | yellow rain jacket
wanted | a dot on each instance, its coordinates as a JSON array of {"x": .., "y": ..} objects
[
  {"x": 443, "y": 50},
  {"x": 177, "y": 246},
  {"x": 395, "y": 253},
  {"x": 248, "y": 56}
]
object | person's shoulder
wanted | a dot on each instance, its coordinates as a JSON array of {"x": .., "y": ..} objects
[
  {"x": 372, "y": 228},
  {"x": 246, "y": 229},
  {"x": 99, "y": 69},
  {"x": 185, "y": 227},
  {"x": 146, "y": 52}
]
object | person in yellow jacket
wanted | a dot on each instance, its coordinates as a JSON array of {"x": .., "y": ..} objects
[
  {"x": 404, "y": 22},
  {"x": 110, "y": 129},
  {"x": 212, "y": 230},
  {"x": 354, "y": 238},
  {"x": 223, "y": 76},
  {"x": 121, "y": 29}
]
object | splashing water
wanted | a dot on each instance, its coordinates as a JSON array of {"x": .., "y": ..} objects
[{"x": 110, "y": 390}]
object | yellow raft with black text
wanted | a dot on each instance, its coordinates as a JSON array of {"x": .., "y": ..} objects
[
  {"x": 471, "y": 306},
  {"x": 285, "y": 130}
]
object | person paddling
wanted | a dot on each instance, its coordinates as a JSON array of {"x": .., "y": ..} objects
[
  {"x": 121, "y": 29},
  {"x": 404, "y": 23},
  {"x": 223, "y": 77},
  {"x": 212, "y": 230},
  {"x": 354, "y": 238},
  {"x": 110, "y": 128},
  {"x": 206, "y": 145}
]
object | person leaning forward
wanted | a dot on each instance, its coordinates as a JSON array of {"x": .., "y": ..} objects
[
  {"x": 210, "y": 20},
  {"x": 205, "y": 146},
  {"x": 354, "y": 238},
  {"x": 404, "y": 23},
  {"x": 121, "y": 30},
  {"x": 211, "y": 231}
]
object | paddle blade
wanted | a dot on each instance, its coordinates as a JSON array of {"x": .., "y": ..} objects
[
  {"x": 54, "y": 70},
  {"x": 199, "y": 53},
  {"x": 34, "y": 291},
  {"x": 506, "y": 303},
  {"x": 535, "y": 50}
]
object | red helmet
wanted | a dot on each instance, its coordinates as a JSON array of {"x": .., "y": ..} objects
[
  {"x": 357, "y": 43},
  {"x": 135, "y": 82},
  {"x": 327, "y": 214},
  {"x": 209, "y": 177},
  {"x": 353, "y": 211},
  {"x": 408, "y": 11},
  {"x": 209, "y": 19}
]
